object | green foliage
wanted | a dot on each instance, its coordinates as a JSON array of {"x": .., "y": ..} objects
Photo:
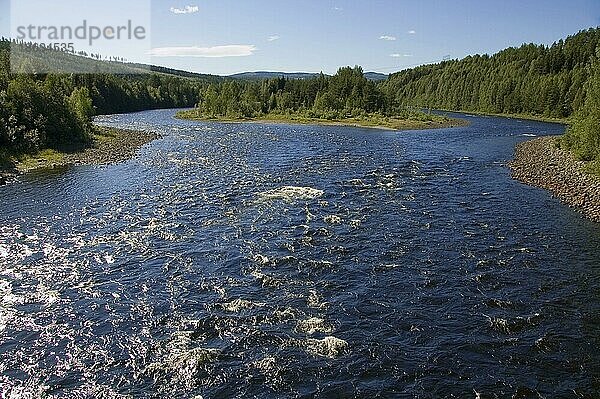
[
  {"x": 51, "y": 111},
  {"x": 593, "y": 167},
  {"x": 346, "y": 94},
  {"x": 81, "y": 104},
  {"x": 26, "y": 117},
  {"x": 531, "y": 79},
  {"x": 583, "y": 137}
]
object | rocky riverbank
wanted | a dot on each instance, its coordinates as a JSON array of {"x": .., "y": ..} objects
[
  {"x": 541, "y": 163},
  {"x": 109, "y": 146}
]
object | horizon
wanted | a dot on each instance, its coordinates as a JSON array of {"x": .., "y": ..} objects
[{"x": 227, "y": 37}]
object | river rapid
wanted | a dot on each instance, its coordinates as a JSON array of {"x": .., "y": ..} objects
[{"x": 281, "y": 261}]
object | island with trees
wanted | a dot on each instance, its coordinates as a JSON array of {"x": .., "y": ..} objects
[{"x": 346, "y": 98}]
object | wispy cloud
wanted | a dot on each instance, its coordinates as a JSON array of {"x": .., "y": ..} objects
[
  {"x": 185, "y": 10},
  {"x": 387, "y": 37},
  {"x": 412, "y": 32},
  {"x": 273, "y": 38},
  {"x": 336, "y": 8},
  {"x": 398, "y": 55},
  {"x": 234, "y": 50}
]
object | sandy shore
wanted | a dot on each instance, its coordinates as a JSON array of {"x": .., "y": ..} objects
[
  {"x": 110, "y": 146},
  {"x": 541, "y": 163}
]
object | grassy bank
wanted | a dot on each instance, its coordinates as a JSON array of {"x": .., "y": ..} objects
[
  {"x": 376, "y": 121},
  {"x": 13, "y": 161},
  {"x": 592, "y": 167},
  {"x": 108, "y": 145}
]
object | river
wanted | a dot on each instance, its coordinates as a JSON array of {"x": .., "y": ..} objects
[{"x": 250, "y": 260}]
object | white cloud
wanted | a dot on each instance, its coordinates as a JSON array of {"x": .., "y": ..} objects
[
  {"x": 273, "y": 38},
  {"x": 336, "y": 8},
  {"x": 234, "y": 50},
  {"x": 412, "y": 32},
  {"x": 397, "y": 55},
  {"x": 185, "y": 10},
  {"x": 386, "y": 37}
]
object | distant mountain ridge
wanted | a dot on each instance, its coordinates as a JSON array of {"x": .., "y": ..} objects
[{"x": 261, "y": 75}]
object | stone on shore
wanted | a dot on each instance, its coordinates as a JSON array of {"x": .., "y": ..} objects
[
  {"x": 541, "y": 163},
  {"x": 119, "y": 146}
]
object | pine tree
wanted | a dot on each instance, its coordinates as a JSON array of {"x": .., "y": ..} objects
[{"x": 583, "y": 137}]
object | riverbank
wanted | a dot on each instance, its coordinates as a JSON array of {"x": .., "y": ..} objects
[
  {"x": 371, "y": 121},
  {"x": 529, "y": 117},
  {"x": 109, "y": 146},
  {"x": 541, "y": 163}
]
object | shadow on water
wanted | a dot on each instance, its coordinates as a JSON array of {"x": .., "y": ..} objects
[{"x": 45, "y": 174}]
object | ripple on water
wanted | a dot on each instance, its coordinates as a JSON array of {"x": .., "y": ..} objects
[{"x": 231, "y": 260}]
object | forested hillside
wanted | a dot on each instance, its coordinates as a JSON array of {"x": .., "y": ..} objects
[
  {"x": 47, "y": 111},
  {"x": 532, "y": 79}
]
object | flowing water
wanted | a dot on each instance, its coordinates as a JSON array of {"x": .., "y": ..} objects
[{"x": 279, "y": 261}]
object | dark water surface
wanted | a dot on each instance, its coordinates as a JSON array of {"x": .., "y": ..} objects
[{"x": 248, "y": 260}]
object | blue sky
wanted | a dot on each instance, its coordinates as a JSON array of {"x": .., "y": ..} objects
[{"x": 228, "y": 36}]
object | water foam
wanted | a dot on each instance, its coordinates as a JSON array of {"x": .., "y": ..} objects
[
  {"x": 330, "y": 347},
  {"x": 238, "y": 305},
  {"x": 313, "y": 326},
  {"x": 291, "y": 194},
  {"x": 332, "y": 219}
]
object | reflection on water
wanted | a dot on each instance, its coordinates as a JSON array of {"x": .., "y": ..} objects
[{"x": 245, "y": 260}]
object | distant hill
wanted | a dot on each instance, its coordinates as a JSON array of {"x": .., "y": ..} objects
[
  {"x": 375, "y": 76},
  {"x": 32, "y": 58},
  {"x": 183, "y": 74},
  {"x": 262, "y": 75}
]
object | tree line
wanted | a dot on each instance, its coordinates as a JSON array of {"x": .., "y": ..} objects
[
  {"x": 583, "y": 136},
  {"x": 55, "y": 110},
  {"x": 348, "y": 93},
  {"x": 531, "y": 79}
]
